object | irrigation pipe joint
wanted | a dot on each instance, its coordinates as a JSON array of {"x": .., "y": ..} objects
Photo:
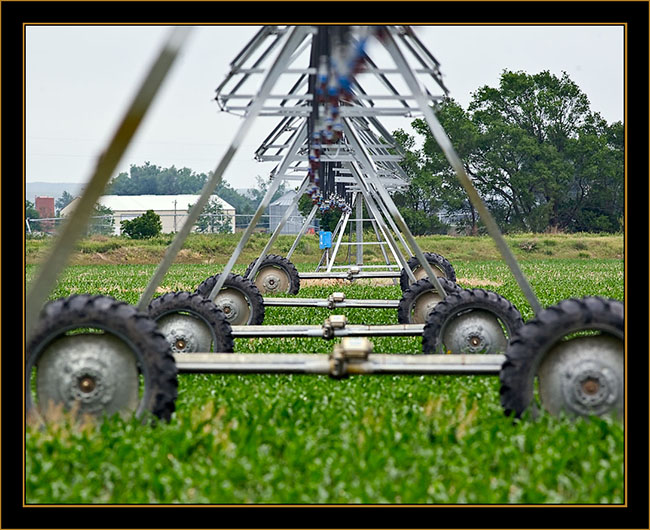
[{"x": 349, "y": 351}]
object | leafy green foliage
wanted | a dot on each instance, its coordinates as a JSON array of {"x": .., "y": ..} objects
[
  {"x": 213, "y": 219},
  {"x": 535, "y": 151},
  {"x": 101, "y": 221},
  {"x": 310, "y": 439},
  {"x": 328, "y": 220},
  {"x": 144, "y": 226},
  {"x": 65, "y": 199},
  {"x": 150, "y": 179},
  {"x": 30, "y": 211}
]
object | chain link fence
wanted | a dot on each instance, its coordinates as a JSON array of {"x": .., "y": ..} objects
[{"x": 207, "y": 223}]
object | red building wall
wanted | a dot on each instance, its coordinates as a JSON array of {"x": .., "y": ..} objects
[{"x": 45, "y": 206}]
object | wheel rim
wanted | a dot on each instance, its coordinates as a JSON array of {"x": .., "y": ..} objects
[
  {"x": 474, "y": 331},
  {"x": 96, "y": 372},
  {"x": 272, "y": 280},
  {"x": 235, "y": 306},
  {"x": 583, "y": 376},
  {"x": 420, "y": 273},
  {"x": 185, "y": 333},
  {"x": 423, "y": 305}
]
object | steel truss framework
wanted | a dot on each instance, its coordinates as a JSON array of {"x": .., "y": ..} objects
[{"x": 366, "y": 158}]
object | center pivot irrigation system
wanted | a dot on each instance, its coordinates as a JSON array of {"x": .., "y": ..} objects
[{"x": 330, "y": 92}]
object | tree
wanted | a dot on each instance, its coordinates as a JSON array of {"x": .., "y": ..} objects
[
  {"x": 102, "y": 221},
  {"x": 257, "y": 196},
  {"x": 539, "y": 157},
  {"x": 150, "y": 179},
  {"x": 242, "y": 205},
  {"x": 30, "y": 211},
  {"x": 65, "y": 199},
  {"x": 145, "y": 226},
  {"x": 213, "y": 219},
  {"x": 420, "y": 203},
  {"x": 327, "y": 220}
]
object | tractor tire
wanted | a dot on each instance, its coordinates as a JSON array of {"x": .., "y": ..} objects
[
  {"x": 471, "y": 321},
  {"x": 576, "y": 351},
  {"x": 437, "y": 262},
  {"x": 240, "y": 300},
  {"x": 276, "y": 274},
  {"x": 191, "y": 323},
  {"x": 99, "y": 372}
]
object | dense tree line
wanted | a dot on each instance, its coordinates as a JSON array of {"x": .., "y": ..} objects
[
  {"x": 539, "y": 157},
  {"x": 149, "y": 179}
]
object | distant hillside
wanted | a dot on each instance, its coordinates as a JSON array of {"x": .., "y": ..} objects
[{"x": 51, "y": 189}]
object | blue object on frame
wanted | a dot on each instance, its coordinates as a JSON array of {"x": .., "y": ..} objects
[{"x": 325, "y": 239}]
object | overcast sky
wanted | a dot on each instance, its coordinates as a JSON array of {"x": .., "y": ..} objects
[{"x": 79, "y": 80}]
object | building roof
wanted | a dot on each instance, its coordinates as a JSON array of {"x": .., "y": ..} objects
[
  {"x": 285, "y": 200},
  {"x": 143, "y": 203}
]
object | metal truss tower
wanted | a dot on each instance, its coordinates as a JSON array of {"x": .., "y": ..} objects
[{"x": 332, "y": 82}]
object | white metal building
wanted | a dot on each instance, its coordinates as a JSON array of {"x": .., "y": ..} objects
[
  {"x": 172, "y": 209},
  {"x": 277, "y": 210}
]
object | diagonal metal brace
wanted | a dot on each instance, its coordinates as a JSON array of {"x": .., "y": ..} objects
[{"x": 58, "y": 257}]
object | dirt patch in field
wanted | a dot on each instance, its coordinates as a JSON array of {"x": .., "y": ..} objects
[
  {"x": 334, "y": 282},
  {"x": 467, "y": 283},
  {"x": 470, "y": 283}
]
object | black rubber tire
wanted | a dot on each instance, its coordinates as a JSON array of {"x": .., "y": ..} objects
[
  {"x": 279, "y": 262},
  {"x": 460, "y": 302},
  {"x": 199, "y": 307},
  {"x": 533, "y": 340},
  {"x": 410, "y": 296},
  {"x": 436, "y": 260},
  {"x": 244, "y": 286},
  {"x": 153, "y": 356}
]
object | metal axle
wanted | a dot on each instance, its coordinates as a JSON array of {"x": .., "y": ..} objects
[
  {"x": 322, "y": 364},
  {"x": 329, "y": 331},
  {"x": 352, "y": 274},
  {"x": 330, "y": 303}
]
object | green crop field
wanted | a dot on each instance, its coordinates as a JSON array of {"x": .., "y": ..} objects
[{"x": 312, "y": 439}]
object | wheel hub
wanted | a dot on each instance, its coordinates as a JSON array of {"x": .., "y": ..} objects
[
  {"x": 590, "y": 388},
  {"x": 96, "y": 372},
  {"x": 272, "y": 280},
  {"x": 474, "y": 341},
  {"x": 90, "y": 385},
  {"x": 583, "y": 376},
  {"x": 87, "y": 384},
  {"x": 229, "y": 307},
  {"x": 475, "y": 331},
  {"x": 234, "y": 305},
  {"x": 185, "y": 333}
]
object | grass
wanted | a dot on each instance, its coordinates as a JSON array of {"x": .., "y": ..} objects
[
  {"x": 310, "y": 439},
  {"x": 217, "y": 248},
  {"x": 301, "y": 439}
]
